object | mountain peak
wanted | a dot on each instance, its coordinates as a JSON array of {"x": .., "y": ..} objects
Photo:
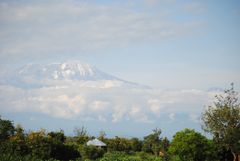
[
  {"x": 74, "y": 63},
  {"x": 77, "y": 67},
  {"x": 67, "y": 70},
  {"x": 37, "y": 75}
]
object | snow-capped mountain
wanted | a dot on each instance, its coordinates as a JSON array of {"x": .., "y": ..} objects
[
  {"x": 70, "y": 70},
  {"x": 66, "y": 73}
]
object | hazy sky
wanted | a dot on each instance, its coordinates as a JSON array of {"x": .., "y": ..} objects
[
  {"x": 163, "y": 43},
  {"x": 187, "y": 46}
]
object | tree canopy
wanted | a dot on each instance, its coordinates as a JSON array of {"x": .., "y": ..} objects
[
  {"x": 189, "y": 145},
  {"x": 6, "y": 129},
  {"x": 222, "y": 120}
]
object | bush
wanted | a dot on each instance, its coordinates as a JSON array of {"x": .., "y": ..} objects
[
  {"x": 189, "y": 145},
  {"x": 13, "y": 157},
  {"x": 122, "y": 156},
  {"x": 116, "y": 156},
  {"x": 90, "y": 152}
]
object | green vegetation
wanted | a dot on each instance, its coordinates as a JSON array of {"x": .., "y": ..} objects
[
  {"x": 190, "y": 145},
  {"x": 222, "y": 120}
]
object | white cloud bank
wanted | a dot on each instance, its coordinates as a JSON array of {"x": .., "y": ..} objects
[{"x": 109, "y": 104}]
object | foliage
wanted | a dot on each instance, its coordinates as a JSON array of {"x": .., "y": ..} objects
[
  {"x": 17, "y": 145},
  {"x": 136, "y": 144},
  {"x": 116, "y": 156},
  {"x": 118, "y": 144},
  {"x": 102, "y": 136},
  {"x": 59, "y": 150},
  {"x": 6, "y": 129},
  {"x": 82, "y": 131},
  {"x": 57, "y": 137},
  {"x": 38, "y": 144},
  {"x": 13, "y": 157},
  {"x": 152, "y": 142},
  {"x": 223, "y": 121},
  {"x": 17, "y": 142},
  {"x": 91, "y": 152},
  {"x": 148, "y": 157},
  {"x": 10, "y": 142},
  {"x": 189, "y": 145},
  {"x": 122, "y": 156},
  {"x": 81, "y": 135},
  {"x": 123, "y": 144},
  {"x": 218, "y": 153}
]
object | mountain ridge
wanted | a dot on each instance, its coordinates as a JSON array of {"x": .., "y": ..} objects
[{"x": 38, "y": 75}]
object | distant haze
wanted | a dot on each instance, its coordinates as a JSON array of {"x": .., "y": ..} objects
[{"x": 83, "y": 95}]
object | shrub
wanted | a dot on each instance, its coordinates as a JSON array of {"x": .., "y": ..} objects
[{"x": 90, "y": 152}]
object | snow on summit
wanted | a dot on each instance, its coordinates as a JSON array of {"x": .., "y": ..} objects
[
  {"x": 68, "y": 72},
  {"x": 71, "y": 67}
]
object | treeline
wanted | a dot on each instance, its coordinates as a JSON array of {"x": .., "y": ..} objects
[
  {"x": 222, "y": 120},
  {"x": 16, "y": 145}
]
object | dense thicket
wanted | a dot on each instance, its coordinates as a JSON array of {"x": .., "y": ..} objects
[{"x": 16, "y": 144}]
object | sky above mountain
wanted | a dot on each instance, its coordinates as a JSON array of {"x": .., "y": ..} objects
[{"x": 179, "y": 48}]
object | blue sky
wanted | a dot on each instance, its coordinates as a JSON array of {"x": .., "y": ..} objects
[
  {"x": 165, "y": 44},
  {"x": 141, "y": 41}
]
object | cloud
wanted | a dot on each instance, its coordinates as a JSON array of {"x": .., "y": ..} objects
[
  {"x": 104, "y": 104},
  {"x": 172, "y": 116},
  {"x": 154, "y": 2},
  {"x": 62, "y": 27},
  {"x": 99, "y": 105},
  {"x": 102, "y": 118},
  {"x": 155, "y": 105},
  {"x": 195, "y": 8},
  {"x": 138, "y": 115}
]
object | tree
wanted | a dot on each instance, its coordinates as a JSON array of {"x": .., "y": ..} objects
[
  {"x": 118, "y": 144},
  {"x": 90, "y": 152},
  {"x": 222, "y": 119},
  {"x": 81, "y": 135},
  {"x": 82, "y": 131},
  {"x": 152, "y": 142},
  {"x": 164, "y": 148},
  {"x": 6, "y": 132},
  {"x": 102, "y": 136},
  {"x": 6, "y": 129},
  {"x": 39, "y": 144},
  {"x": 18, "y": 142},
  {"x": 189, "y": 145},
  {"x": 116, "y": 156},
  {"x": 136, "y": 144},
  {"x": 56, "y": 142},
  {"x": 58, "y": 137}
]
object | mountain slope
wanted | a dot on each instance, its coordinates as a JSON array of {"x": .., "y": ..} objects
[{"x": 66, "y": 73}]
